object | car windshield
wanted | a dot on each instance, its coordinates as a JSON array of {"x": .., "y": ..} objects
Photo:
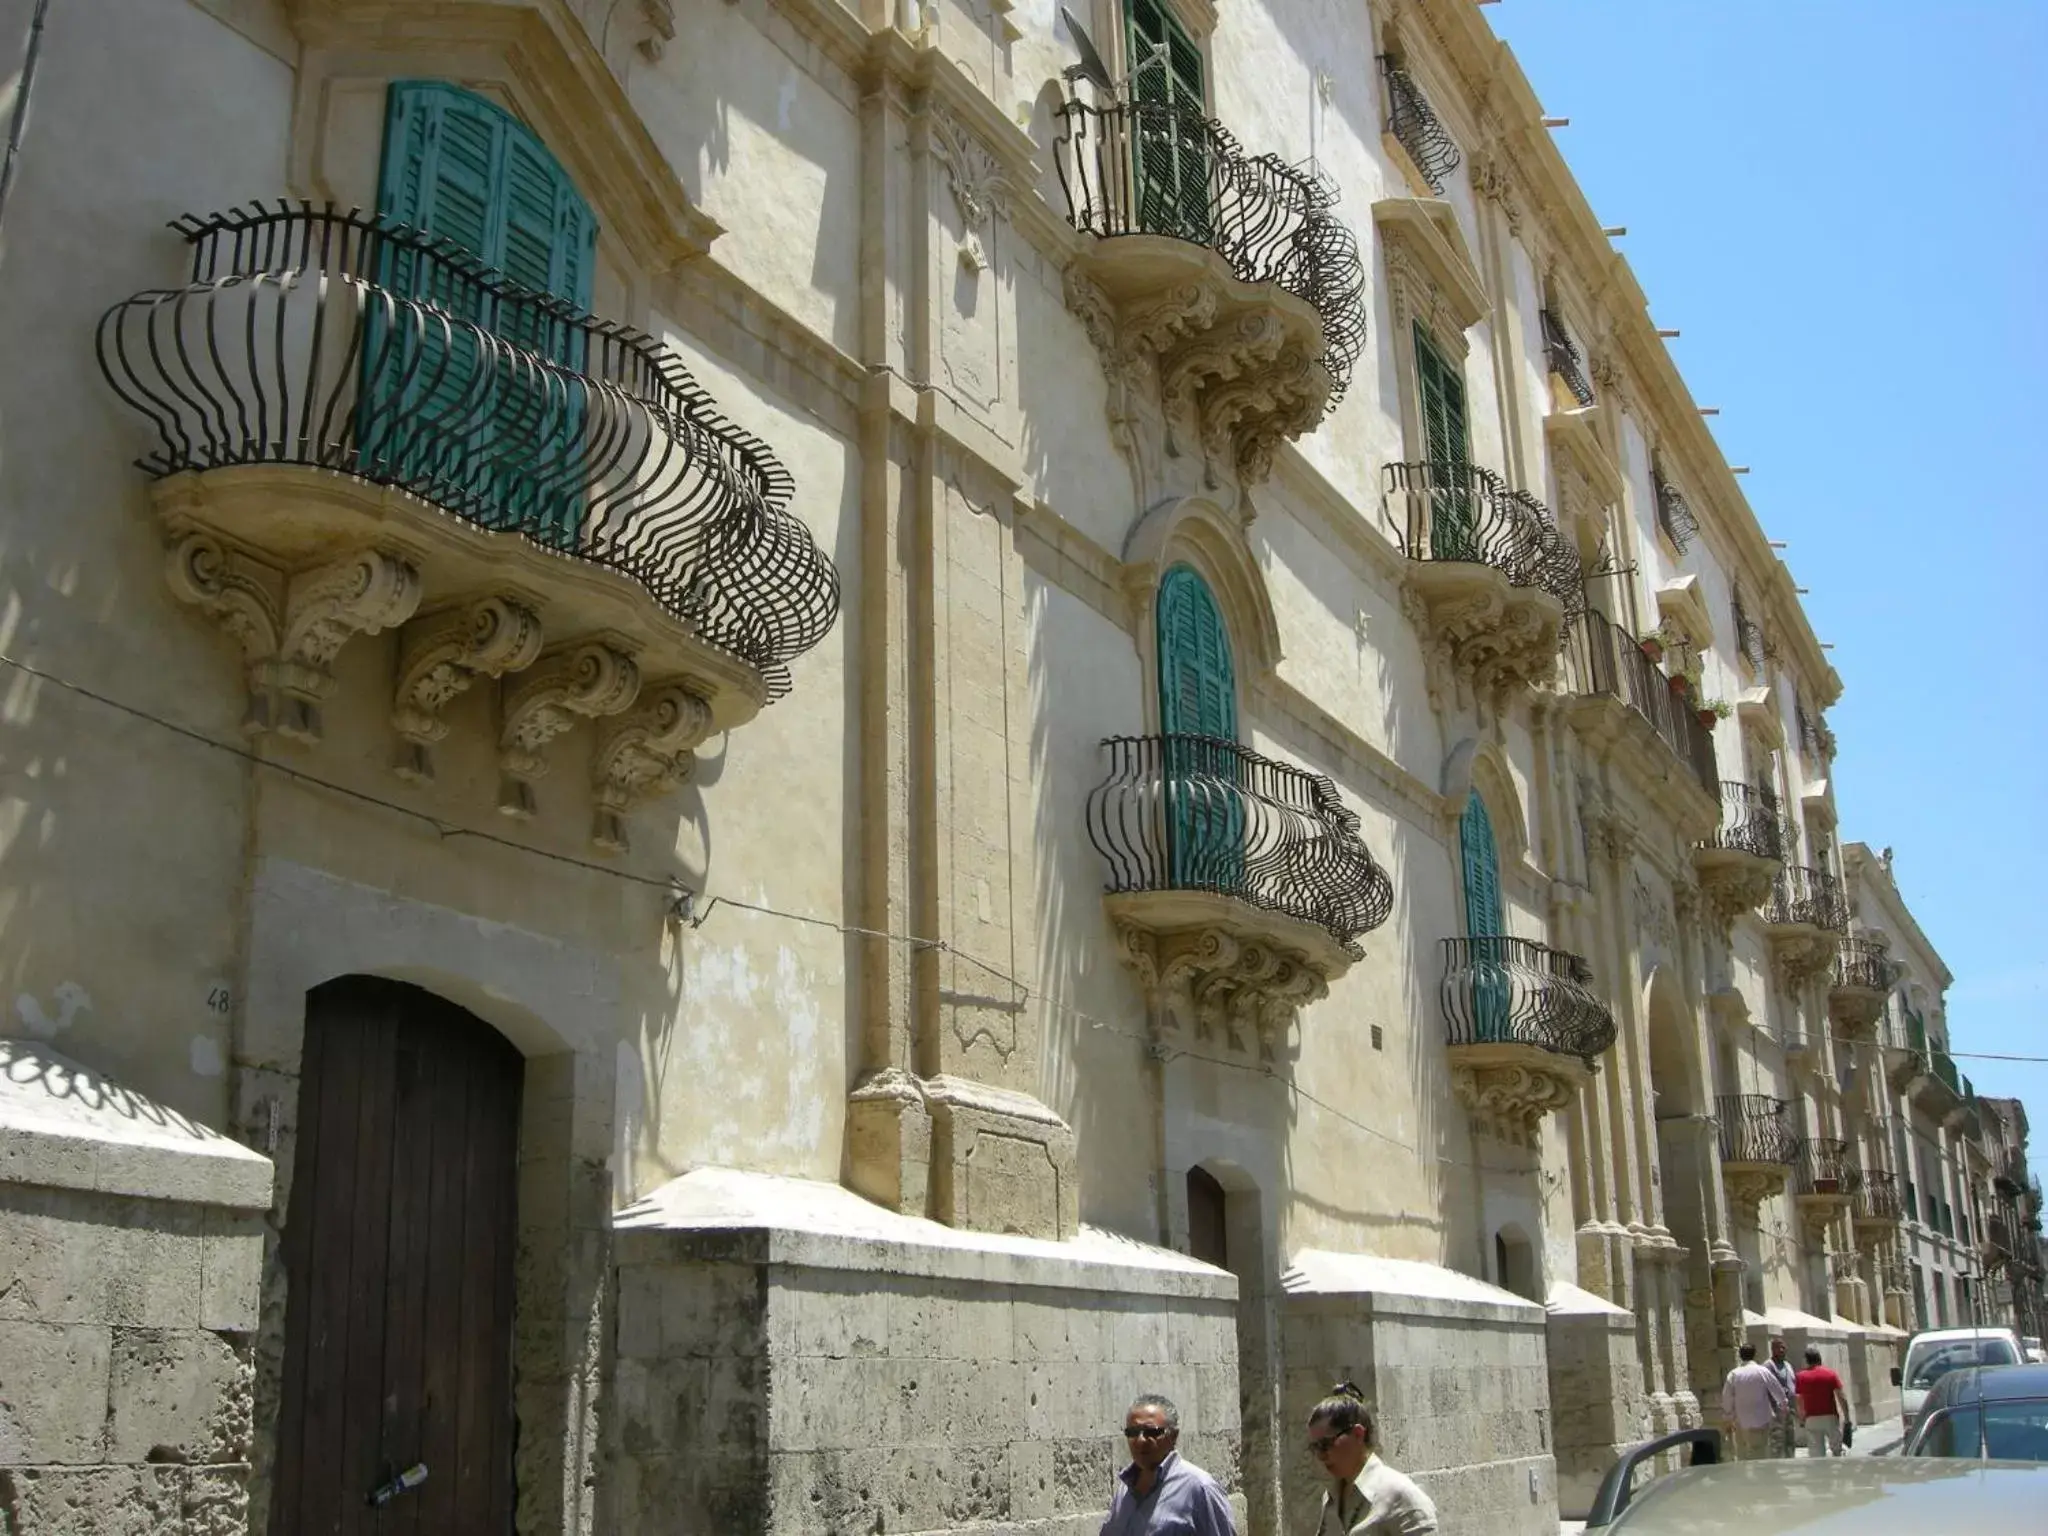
[
  {"x": 1924, "y": 1370},
  {"x": 2015, "y": 1430}
]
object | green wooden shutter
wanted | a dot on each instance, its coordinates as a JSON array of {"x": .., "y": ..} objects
[
  {"x": 501, "y": 443},
  {"x": 1172, "y": 169},
  {"x": 1198, "y": 700},
  {"x": 1447, "y": 448},
  {"x": 1485, "y": 923}
]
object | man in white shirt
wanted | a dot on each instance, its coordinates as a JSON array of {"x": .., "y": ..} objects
[{"x": 1752, "y": 1400}]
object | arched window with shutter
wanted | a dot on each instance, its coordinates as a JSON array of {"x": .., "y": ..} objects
[
  {"x": 1484, "y": 920},
  {"x": 446, "y": 401},
  {"x": 1198, "y": 724}
]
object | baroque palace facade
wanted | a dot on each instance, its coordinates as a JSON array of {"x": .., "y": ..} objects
[{"x": 815, "y": 735}]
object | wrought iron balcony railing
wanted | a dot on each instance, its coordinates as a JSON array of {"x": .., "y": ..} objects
[
  {"x": 1756, "y": 1128},
  {"x": 1945, "y": 1069},
  {"x": 1464, "y": 512},
  {"x": 1409, "y": 119},
  {"x": 1824, "y": 1167},
  {"x": 332, "y": 340},
  {"x": 1561, "y": 354},
  {"x": 1505, "y": 991},
  {"x": 1675, "y": 516},
  {"x": 1197, "y": 813},
  {"x": 1810, "y": 898},
  {"x": 1751, "y": 821},
  {"x": 1750, "y": 640},
  {"x": 1865, "y": 966},
  {"x": 1877, "y": 1196},
  {"x": 1601, "y": 658},
  {"x": 1161, "y": 168}
]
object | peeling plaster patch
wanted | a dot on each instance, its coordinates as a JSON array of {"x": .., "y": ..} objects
[
  {"x": 71, "y": 1000},
  {"x": 206, "y": 1058},
  {"x": 779, "y": 1106}
]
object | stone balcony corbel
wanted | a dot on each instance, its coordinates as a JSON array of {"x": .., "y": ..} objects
[
  {"x": 440, "y": 655},
  {"x": 586, "y": 680}
]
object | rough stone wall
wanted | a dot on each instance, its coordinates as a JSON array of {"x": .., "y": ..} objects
[
  {"x": 125, "y": 1369},
  {"x": 1460, "y": 1393},
  {"x": 1597, "y": 1399},
  {"x": 765, "y": 1398}
]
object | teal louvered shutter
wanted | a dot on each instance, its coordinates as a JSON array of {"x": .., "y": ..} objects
[
  {"x": 499, "y": 442},
  {"x": 1485, "y": 923},
  {"x": 1445, "y": 444},
  {"x": 1198, "y": 717},
  {"x": 1172, "y": 169}
]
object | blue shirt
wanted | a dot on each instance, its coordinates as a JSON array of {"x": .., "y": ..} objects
[{"x": 1185, "y": 1501}]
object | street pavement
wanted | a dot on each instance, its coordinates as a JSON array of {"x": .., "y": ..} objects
[{"x": 1880, "y": 1439}]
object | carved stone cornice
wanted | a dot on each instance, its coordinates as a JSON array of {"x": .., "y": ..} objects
[
  {"x": 290, "y": 627},
  {"x": 581, "y": 681},
  {"x": 977, "y": 178},
  {"x": 1219, "y": 971},
  {"x": 440, "y": 655},
  {"x": 1238, "y": 365},
  {"x": 645, "y": 753},
  {"x": 1511, "y": 1087}
]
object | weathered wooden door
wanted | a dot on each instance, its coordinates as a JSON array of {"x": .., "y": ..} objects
[{"x": 398, "y": 1254}]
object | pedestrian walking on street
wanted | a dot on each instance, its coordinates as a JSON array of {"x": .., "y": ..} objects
[
  {"x": 1159, "y": 1491},
  {"x": 1752, "y": 1403},
  {"x": 1823, "y": 1406},
  {"x": 1366, "y": 1497},
  {"x": 1785, "y": 1433}
]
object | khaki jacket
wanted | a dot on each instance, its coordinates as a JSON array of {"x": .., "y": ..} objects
[{"x": 1382, "y": 1502}]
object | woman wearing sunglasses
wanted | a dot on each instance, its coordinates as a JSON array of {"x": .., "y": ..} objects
[{"x": 1366, "y": 1497}]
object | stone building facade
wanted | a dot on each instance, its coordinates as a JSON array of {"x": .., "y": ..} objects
[{"x": 779, "y": 742}]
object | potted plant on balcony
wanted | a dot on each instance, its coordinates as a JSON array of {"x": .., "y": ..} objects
[
  {"x": 1712, "y": 710},
  {"x": 1653, "y": 646}
]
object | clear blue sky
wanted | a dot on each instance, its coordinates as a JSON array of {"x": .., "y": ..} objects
[{"x": 1845, "y": 210}]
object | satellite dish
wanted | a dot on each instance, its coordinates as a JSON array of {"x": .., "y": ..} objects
[{"x": 1091, "y": 67}]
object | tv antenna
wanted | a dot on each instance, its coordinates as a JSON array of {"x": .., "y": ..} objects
[{"x": 1090, "y": 68}]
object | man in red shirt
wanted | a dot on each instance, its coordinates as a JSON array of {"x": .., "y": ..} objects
[{"x": 1823, "y": 1407}]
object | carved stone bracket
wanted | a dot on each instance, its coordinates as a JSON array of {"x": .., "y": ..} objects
[
  {"x": 979, "y": 182},
  {"x": 1480, "y": 629},
  {"x": 291, "y": 627},
  {"x": 440, "y": 655},
  {"x": 1732, "y": 882},
  {"x": 660, "y": 18},
  {"x": 1512, "y": 1087},
  {"x": 1800, "y": 955},
  {"x": 1817, "y": 1215},
  {"x": 645, "y": 753},
  {"x": 1238, "y": 365},
  {"x": 1855, "y": 1010},
  {"x": 1749, "y": 1185},
  {"x": 586, "y": 680}
]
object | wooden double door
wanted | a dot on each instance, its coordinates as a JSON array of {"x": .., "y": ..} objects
[{"x": 398, "y": 1254}]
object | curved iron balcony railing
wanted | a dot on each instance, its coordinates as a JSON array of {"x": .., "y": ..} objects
[
  {"x": 1877, "y": 1197},
  {"x": 1601, "y": 658},
  {"x": 1561, "y": 356},
  {"x": 1465, "y": 512},
  {"x": 1756, "y": 1128},
  {"x": 1410, "y": 120},
  {"x": 1504, "y": 991},
  {"x": 1161, "y": 168},
  {"x": 337, "y": 341},
  {"x": 1865, "y": 965},
  {"x": 1675, "y": 516},
  {"x": 1825, "y": 1167},
  {"x": 1808, "y": 897},
  {"x": 1751, "y": 822},
  {"x": 1198, "y": 813}
]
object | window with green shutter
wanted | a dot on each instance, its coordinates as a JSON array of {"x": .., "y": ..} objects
[
  {"x": 1485, "y": 922},
  {"x": 1198, "y": 718},
  {"x": 1446, "y": 446},
  {"x": 502, "y": 439},
  {"x": 1171, "y": 143}
]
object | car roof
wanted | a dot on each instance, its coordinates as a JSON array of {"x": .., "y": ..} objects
[
  {"x": 1948, "y": 1335},
  {"x": 1863, "y": 1496},
  {"x": 1994, "y": 1383}
]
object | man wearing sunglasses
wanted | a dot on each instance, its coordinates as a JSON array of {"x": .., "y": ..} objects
[{"x": 1158, "y": 1492}]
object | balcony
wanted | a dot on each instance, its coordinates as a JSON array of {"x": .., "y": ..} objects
[
  {"x": 1739, "y": 863},
  {"x": 1758, "y": 1147},
  {"x": 1238, "y": 887},
  {"x": 1414, "y": 138},
  {"x": 1624, "y": 703},
  {"x": 1827, "y": 1181},
  {"x": 1878, "y": 1209},
  {"x": 1561, "y": 357},
  {"x": 1675, "y": 516},
  {"x": 1805, "y": 918},
  {"x": 1223, "y": 275},
  {"x": 1490, "y": 578},
  {"x": 1523, "y": 1026},
  {"x": 1905, "y": 1053},
  {"x": 358, "y": 429},
  {"x": 1863, "y": 978}
]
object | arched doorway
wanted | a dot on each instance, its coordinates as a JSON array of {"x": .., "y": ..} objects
[{"x": 398, "y": 1253}]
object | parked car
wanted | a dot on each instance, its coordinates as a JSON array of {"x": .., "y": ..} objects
[
  {"x": 1855, "y": 1496},
  {"x": 1986, "y": 1412},
  {"x": 2031, "y": 1347},
  {"x": 1933, "y": 1354}
]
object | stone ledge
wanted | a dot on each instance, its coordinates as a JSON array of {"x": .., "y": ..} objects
[
  {"x": 723, "y": 1215},
  {"x": 1377, "y": 1287},
  {"x": 63, "y": 1126}
]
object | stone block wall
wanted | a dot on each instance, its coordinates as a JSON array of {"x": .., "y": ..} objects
[
  {"x": 781, "y": 1379},
  {"x": 1455, "y": 1372},
  {"x": 1597, "y": 1396},
  {"x": 131, "y": 1247}
]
